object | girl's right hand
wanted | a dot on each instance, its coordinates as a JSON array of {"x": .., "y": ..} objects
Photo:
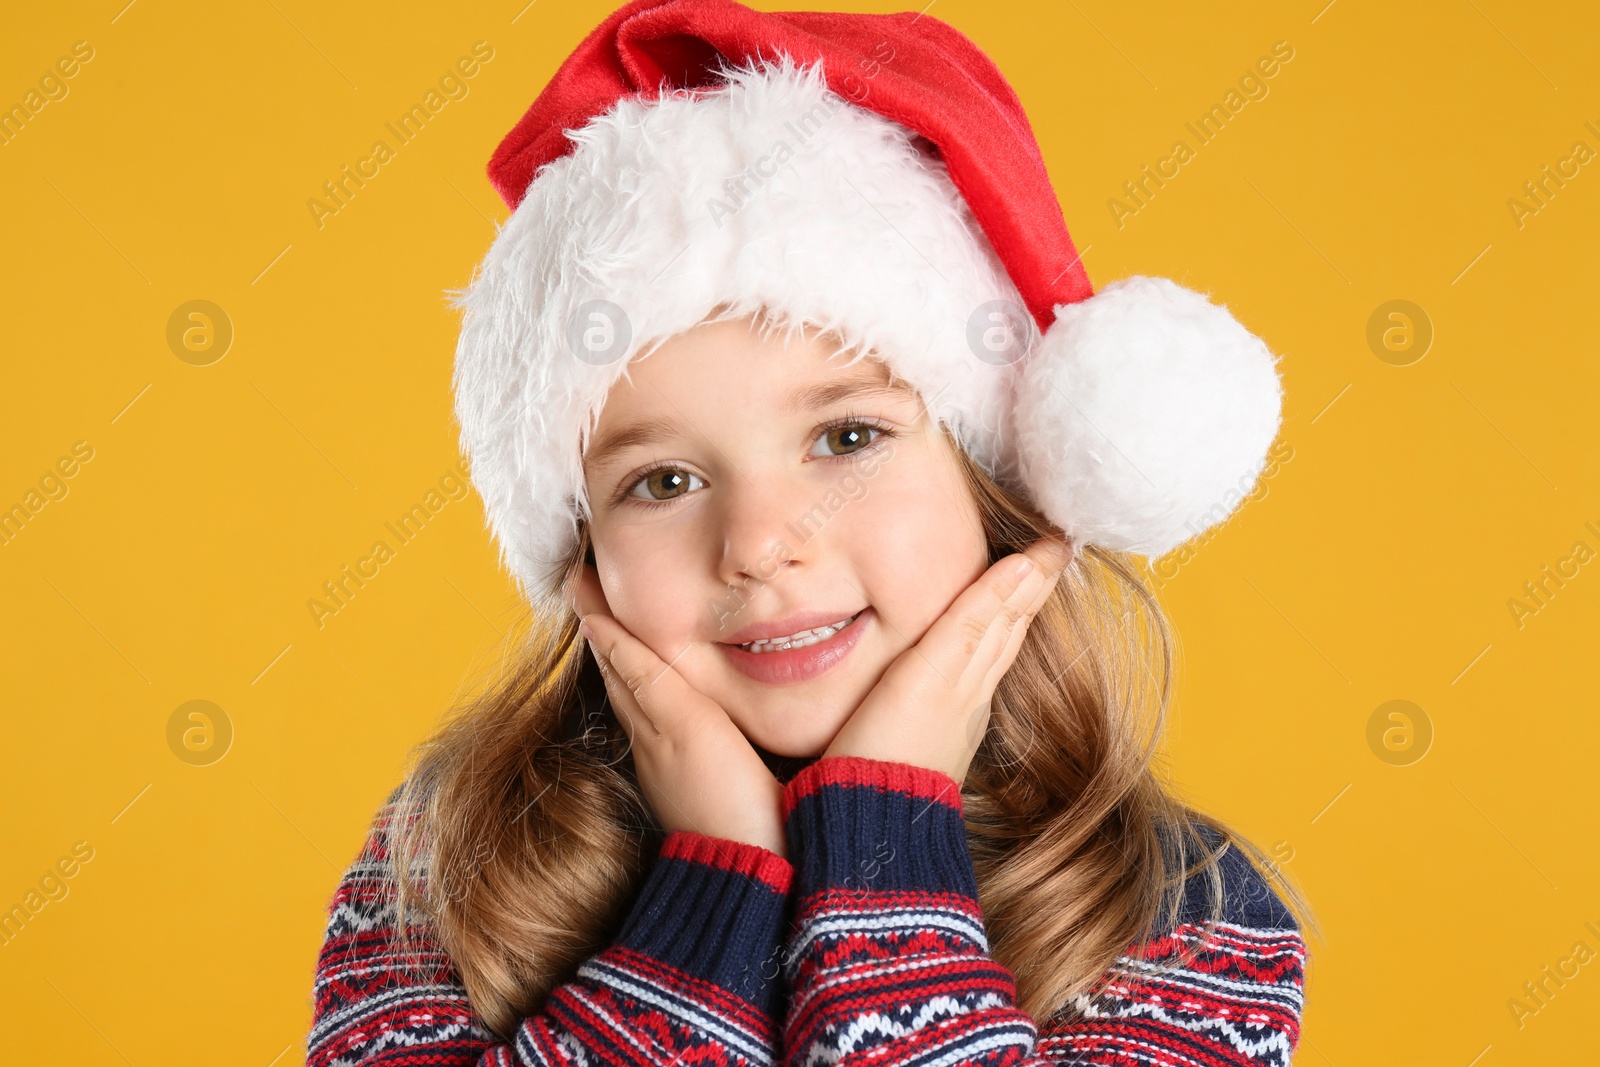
[{"x": 695, "y": 767}]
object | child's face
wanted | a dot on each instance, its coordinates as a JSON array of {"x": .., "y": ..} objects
[{"x": 747, "y": 513}]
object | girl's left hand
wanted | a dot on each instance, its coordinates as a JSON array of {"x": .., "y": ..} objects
[{"x": 931, "y": 707}]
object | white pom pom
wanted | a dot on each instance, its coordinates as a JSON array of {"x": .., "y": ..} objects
[{"x": 1144, "y": 416}]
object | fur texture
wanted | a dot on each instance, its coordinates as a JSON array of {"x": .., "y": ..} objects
[
  {"x": 770, "y": 194},
  {"x": 1145, "y": 417}
]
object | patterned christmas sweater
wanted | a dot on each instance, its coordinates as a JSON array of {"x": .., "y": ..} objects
[{"x": 865, "y": 947}]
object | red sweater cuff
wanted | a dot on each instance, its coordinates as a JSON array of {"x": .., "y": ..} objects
[
  {"x": 726, "y": 854},
  {"x": 923, "y": 783}
]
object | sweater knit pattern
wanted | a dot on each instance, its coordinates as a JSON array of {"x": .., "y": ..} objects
[{"x": 866, "y": 948}]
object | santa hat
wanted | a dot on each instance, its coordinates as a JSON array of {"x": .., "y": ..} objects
[{"x": 872, "y": 175}]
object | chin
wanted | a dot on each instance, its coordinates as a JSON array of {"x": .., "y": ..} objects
[
  {"x": 787, "y": 731},
  {"x": 795, "y": 722},
  {"x": 801, "y": 720}
]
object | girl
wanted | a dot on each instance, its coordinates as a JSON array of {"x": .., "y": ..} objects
[{"x": 785, "y": 379}]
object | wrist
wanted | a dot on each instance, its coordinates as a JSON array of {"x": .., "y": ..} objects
[
  {"x": 859, "y": 824},
  {"x": 711, "y": 910}
]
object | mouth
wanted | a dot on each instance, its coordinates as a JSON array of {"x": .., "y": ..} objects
[
  {"x": 799, "y": 640},
  {"x": 799, "y": 656}
]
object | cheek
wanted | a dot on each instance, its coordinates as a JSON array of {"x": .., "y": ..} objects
[
  {"x": 917, "y": 542},
  {"x": 649, "y": 586}
]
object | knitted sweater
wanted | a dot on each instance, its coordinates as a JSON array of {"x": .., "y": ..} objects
[{"x": 866, "y": 947}]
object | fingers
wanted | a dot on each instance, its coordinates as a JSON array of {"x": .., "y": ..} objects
[
  {"x": 1049, "y": 556},
  {"x": 626, "y": 673},
  {"x": 1016, "y": 632},
  {"x": 642, "y": 687},
  {"x": 1010, "y": 626},
  {"x": 607, "y": 639},
  {"x": 1003, "y": 603},
  {"x": 1052, "y": 556},
  {"x": 1021, "y": 579}
]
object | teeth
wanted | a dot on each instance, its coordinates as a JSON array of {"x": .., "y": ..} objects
[{"x": 799, "y": 640}]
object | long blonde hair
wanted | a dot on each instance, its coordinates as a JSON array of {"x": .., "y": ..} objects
[{"x": 521, "y": 836}]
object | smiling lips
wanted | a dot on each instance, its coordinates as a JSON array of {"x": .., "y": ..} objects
[
  {"x": 798, "y": 640},
  {"x": 798, "y": 656}
]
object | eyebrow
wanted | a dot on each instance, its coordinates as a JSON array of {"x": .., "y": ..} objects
[{"x": 799, "y": 401}]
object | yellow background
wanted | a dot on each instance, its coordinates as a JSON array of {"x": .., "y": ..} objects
[{"x": 1377, "y": 567}]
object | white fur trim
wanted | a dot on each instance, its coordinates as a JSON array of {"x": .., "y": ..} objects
[
  {"x": 848, "y": 225},
  {"x": 1145, "y": 416}
]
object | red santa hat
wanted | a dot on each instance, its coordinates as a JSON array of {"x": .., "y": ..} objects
[{"x": 871, "y": 175}]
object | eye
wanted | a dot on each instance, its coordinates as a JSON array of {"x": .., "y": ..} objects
[
  {"x": 661, "y": 484},
  {"x": 848, "y": 438},
  {"x": 851, "y": 434}
]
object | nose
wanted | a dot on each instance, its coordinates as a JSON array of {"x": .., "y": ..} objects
[{"x": 768, "y": 528}]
